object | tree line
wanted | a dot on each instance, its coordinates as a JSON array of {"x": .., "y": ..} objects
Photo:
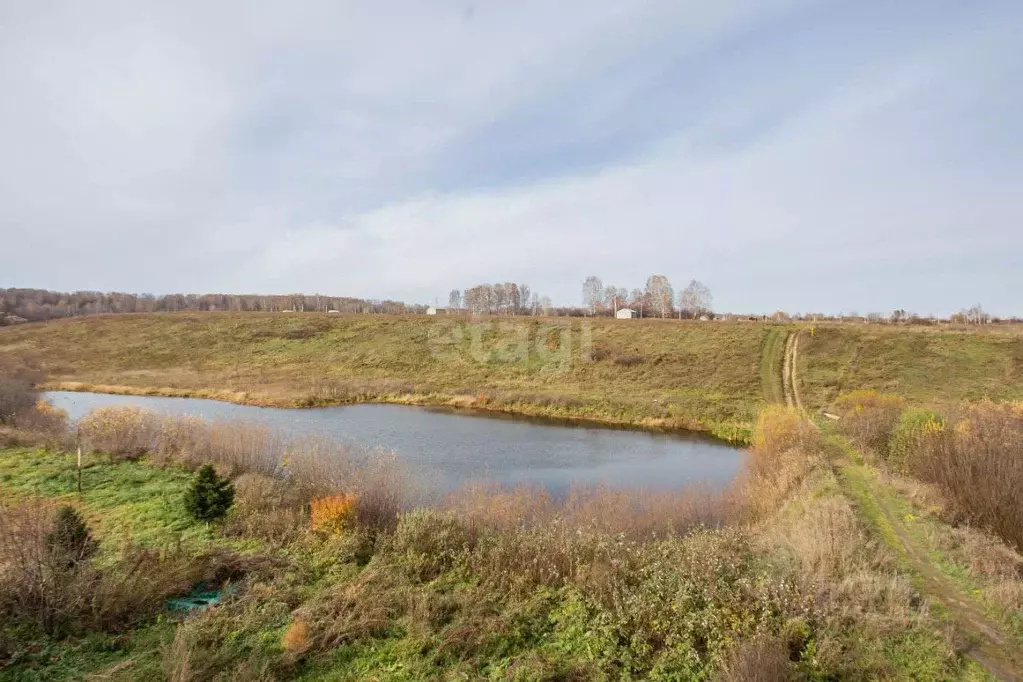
[
  {"x": 40, "y": 304},
  {"x": 501, "y": 298},
  {"x": 656, "y": 299}
]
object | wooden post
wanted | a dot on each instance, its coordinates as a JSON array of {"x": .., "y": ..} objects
[{"x": 79, "y": 469}]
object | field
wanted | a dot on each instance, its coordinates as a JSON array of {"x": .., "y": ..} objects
[
  {"x": 884, "y": 545},
  {"x": 710, "y": 376}
]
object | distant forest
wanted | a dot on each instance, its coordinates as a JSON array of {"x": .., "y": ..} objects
[{"x": 38, "y": 304}]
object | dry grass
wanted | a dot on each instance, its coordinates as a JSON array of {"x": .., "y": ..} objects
[
  {"x": 653, "y": 372},
  {"x": 869, "y": 418},
  {"x": 786, "y": 448},
  {"x": 976, "y": 461},
  {"x": 763, "y": 658}
]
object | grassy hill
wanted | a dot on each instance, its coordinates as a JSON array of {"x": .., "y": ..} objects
[
  {"x": 932, "y": 367},
  {"x": 711, "y": 376}
]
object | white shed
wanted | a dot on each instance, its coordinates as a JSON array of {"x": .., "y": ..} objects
[{"x": 625, "y": 314}]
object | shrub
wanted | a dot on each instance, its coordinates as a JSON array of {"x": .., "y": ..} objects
[
  {"x": 18, "y": 395},
  {"x": 427, "y": 542},
  {"x": 332, "y": 513},
  {"x": 210, "y": 496},
  {"x": 868, "y": 417},
  {"x": 976, "y": 460},
  {"x": 913, "y": 425},
  {"x": 70, "y": 541},
  {"x": 122, "y": 432},
  {"x": 763, "y": 658}
]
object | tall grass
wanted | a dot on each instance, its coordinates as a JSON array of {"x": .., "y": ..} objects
[
  {"x": 785, "y": 449},
  {"x": 869, "y": 417},
  {"x": 976, "y": 460}
]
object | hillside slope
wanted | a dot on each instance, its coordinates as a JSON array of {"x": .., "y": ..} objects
[
  {"x": 659, "y": 373},
  {"x": 655, "y": 373},
  {"x": 927, "y": 366}
]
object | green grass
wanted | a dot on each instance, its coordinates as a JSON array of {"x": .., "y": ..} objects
[
  {"x": 126, "y": 499},
  {"x": 929, "y": 367},
  {"x": 771, "y": 363}
]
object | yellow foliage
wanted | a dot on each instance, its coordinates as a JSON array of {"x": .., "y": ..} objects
[
  {"x": 296, "y": 637},
  {"x": 331, "y": 513},
  {"x": 780, "y": 429}
]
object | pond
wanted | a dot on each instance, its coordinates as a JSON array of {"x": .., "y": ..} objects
[{"x": 454, "y": 448}]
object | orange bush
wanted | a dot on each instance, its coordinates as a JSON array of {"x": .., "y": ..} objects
[
  {"x": 296, "y": 638},
  {"x": 331, "y": 513}
]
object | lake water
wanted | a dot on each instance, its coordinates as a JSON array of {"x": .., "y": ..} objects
[{"x": 454, "y": 448}]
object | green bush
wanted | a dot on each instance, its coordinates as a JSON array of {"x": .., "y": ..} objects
[
  {"x": 70, "y": 541},
  {"x": 210, "y": 496},
  {"x": 908, "y": 433}
]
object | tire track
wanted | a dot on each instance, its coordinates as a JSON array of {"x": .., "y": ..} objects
[{"x": 991, "y": 648}]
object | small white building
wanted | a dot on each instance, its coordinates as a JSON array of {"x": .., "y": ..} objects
[
  {"x": 433, "y": 310},
  {"x": 625, "y": 314}
]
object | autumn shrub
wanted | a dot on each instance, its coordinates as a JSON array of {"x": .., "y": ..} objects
[
  {"x": 18, "y": 395},
  {"x": 912, "y": 427},
  {"x": 976, "y": 460},
  {"x": 122, "y": 432},
  {"x": 427, "y": 542},
  {"x": 762, "y": 658},
  {"x": 332, "y": 513},
  {"x": 636, "y": 513},
  {"x": 869, "y": 417}
]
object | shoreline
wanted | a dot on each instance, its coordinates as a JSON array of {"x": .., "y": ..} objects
[{"x": 463, "y": 404}]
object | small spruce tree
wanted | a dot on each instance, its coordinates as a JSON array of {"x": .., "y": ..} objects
[
  {"x": 70, "y": 541},
  {"x": 210, "y": 496}
]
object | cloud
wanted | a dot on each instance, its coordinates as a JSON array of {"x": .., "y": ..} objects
[{"x": 799, "y": 155}]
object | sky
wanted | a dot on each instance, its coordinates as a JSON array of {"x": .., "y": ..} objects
[{"x": 802, "y": 155}]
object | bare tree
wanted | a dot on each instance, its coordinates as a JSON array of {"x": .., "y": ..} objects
[
  {"x": 545, "y": 305},
  {"x": 455, "y": 299},
  {"x": 695, "y": 300},
  {"x": 976, "y": 315},
  {"x": 637, "y": 299},
  {"x": 524, "y": 297},
  {"x": 593, "y": 293},
  {"x": 660, "y": 293}
]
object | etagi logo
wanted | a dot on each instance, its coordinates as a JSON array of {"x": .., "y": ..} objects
[{"x": 550, "y": 347}]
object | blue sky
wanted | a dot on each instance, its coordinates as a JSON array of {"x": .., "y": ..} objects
[{"x": 794, "y": 154}]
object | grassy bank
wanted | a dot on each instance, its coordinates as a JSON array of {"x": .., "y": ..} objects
[
  {"x": 708, "y": 376},
  {"x": 783, "y": 585},
  {"x": 650, "y": 373}
]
